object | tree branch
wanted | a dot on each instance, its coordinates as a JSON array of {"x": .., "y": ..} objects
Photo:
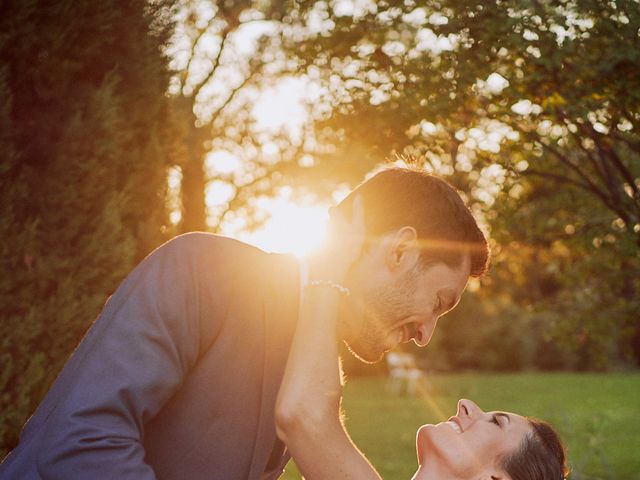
[
  {"x": 556, "y": 177},
  {"x": 621, "y": 168},
  {"x": 231, "y": 96},
  {"x": 635, "y": 146},
  {"x": 216, "y": 63},
  {"x": 597, "y": 166},
  {"x": 588, "y": 182},
  {"x": 196, "y": 40},
  {"x": 626, "y": 173}
]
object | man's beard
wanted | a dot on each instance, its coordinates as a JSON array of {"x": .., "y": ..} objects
[
  {"x": 368, "y": 345},
  {"x": 383, "y": 308}
]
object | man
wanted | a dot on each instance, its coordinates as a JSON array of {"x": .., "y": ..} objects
[{"x": 178, "y": 376}]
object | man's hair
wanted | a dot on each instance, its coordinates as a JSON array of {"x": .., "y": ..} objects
[
  {"x": 398, "y": 197},
  {"x": 541, "y": 455}
]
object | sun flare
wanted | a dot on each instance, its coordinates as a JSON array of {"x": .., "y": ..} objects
[
  {"x": 282, "y": 107},
  {"x": 292, "y": 227}
]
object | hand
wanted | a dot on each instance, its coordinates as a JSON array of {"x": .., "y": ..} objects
[{"x": 345, "y": 241}]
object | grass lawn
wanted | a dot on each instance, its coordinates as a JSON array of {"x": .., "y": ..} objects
[{"x": 598, "y": 416}]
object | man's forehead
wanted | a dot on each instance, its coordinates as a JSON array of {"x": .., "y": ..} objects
[
  {"x": 450, "y": 282},
  {"x": 451, "y": 276},
  {"x": 465, "y": 265}
]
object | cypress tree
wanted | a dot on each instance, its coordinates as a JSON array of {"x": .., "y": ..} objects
[{"x": 84, "y": 142}]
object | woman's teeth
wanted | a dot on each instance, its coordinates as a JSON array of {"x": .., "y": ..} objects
[{"x": 454, "y": 426}]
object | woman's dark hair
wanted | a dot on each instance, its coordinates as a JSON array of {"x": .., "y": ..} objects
[
  {"x": 398, "y": 197},
  {"x": 541, "y": 456}
]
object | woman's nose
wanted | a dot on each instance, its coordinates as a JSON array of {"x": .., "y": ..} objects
[{"x": 468, "y": 409}]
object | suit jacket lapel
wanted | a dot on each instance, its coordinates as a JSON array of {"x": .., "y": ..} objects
[{"x": 280, "y": 317}]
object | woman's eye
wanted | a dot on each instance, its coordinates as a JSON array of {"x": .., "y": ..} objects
[{"x": 494, "y": 419}]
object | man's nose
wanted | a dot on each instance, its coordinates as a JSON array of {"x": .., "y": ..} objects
[{"x": 424, "y": 332}]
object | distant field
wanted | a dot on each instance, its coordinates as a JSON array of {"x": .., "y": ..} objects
[{"x": 598, "y": 415}]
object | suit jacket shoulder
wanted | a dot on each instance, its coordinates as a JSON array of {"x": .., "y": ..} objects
[{"x": 178, "y": 375}]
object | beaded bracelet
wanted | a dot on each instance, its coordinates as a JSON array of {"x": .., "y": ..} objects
[{"x": 328, "y": 283}]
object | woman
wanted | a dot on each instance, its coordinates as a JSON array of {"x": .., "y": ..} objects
[
  {"x": 471, "y": 445},
  {"x": 492, "y": 445}
]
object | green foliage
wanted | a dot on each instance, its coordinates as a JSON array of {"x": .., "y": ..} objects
[
  {"x": 83, "y": 160},
  {"x": 532, "y": 109}
]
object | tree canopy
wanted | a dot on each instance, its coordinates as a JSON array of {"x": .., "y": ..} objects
[
  {"x": 83, "y": 158},
  {"x": 531, "y": 108}
]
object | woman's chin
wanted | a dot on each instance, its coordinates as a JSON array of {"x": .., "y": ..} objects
[
  {"x": 419, "y": 475},
  {"x": 422, "y": 440}
]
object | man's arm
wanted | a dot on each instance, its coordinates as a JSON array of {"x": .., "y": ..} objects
[
  {"x": 130, "y": 363},
  {"x": 308, "y": 406}
]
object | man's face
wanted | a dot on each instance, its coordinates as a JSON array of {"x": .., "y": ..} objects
[{"x": 392, "y": 304}]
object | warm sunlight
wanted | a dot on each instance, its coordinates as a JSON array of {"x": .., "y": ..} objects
[
  {"x": 282, "y": 106},
  {"x": 292, "y": 227}
]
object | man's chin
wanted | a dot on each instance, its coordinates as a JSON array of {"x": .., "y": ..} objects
[{"x": 367, "y": 356}]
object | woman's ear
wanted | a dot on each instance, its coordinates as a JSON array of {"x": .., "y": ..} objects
[
  {"x": 499, "y": 476},
  {"x": 495, "y": 472},
  {"x": 402, "y": 250}
]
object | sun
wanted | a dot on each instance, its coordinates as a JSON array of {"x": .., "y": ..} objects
[{"x": 292, "y": 227}]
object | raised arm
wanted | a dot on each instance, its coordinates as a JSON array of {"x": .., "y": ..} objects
[{"x": 308, "y": 417}]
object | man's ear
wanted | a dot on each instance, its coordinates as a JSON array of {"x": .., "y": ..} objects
[{"x": 402, "y": 249}]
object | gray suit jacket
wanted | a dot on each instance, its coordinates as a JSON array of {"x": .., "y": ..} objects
[{"x": 178, "y": 376}]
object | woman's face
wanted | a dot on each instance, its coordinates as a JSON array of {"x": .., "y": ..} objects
[{"x": 469, "y": 445}]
